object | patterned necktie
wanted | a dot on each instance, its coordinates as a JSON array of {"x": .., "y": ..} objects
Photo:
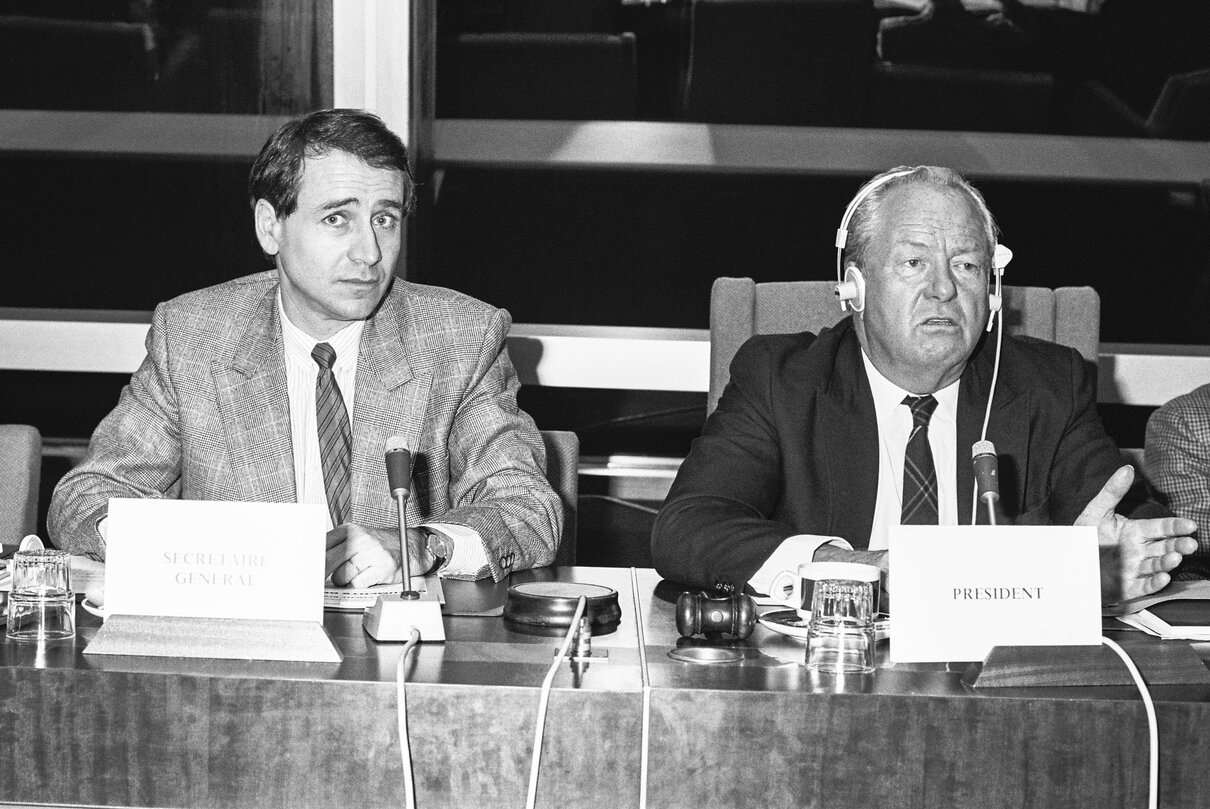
[
  {"x": 335, "y": 436},
  {"x": 919, "y": 474}
]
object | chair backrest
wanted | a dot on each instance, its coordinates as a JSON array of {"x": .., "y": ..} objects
[
  {"x": 563, "y": 472},
  {"x": 547, "y": 76},
  {"x": 20, "y": 472},
  {"x": 740, "y": 308}
]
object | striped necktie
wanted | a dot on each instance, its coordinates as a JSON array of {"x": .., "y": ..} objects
[
  {"x": 919, "y": 474},
  {"x": 335, "y": 435}
]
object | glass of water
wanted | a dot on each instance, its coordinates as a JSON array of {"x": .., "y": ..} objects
[
  {"x": 41, "y": 606},
  {"x": 840, "y": 637}
]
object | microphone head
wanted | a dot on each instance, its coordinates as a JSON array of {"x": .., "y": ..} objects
[
  {"x": 396, "y": 443},
  {"x": 982, "y": 448},
  {"x": 985, "y": 463},
  {"x": 399, "y": 464}
]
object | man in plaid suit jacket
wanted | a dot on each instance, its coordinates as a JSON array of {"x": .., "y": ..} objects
[
  {"x": 213, "y": 412},
  {"x": 1178, "y": 467}
]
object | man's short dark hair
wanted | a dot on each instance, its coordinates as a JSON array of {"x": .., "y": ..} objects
[{"x": 277, "y": 172}]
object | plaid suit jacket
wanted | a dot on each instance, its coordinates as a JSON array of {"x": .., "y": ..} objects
[
  {"x": 206, "y": 417},
  {"x": 1177, "y": 459}
]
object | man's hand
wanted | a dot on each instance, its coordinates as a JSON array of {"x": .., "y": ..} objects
[
  {"x": 1136, "y": 555},
  {"x": 879, "y": 559},
  {"x": 362, "y": 557}
]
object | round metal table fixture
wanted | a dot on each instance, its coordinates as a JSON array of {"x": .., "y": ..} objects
[{"x": 552, "y": 603}]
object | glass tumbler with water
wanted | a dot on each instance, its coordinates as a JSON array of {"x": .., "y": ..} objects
[
  {"x": 840, "y": 637},
  {"x": 41, "y": 606}
]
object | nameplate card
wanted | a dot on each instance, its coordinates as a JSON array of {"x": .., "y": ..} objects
[
  {"x": 213, "y": 559},
  {"x": 959, "y": 590}
]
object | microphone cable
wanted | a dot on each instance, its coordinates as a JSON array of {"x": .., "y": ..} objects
[
  {"x": 991, "y": 395},
  {"x": 540, "y": 724},
  {"x": 1153, "y": 730},
  {"x": 405, "y": 747},
  {"x": 639, "y": 628}
]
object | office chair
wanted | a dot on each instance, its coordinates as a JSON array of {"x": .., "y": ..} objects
[{"x": 563, "y": 473}]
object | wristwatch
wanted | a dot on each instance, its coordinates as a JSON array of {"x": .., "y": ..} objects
[{"x": 441, "y": 548}]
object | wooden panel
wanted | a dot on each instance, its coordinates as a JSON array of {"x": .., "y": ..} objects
[{"x": 766, "y": 732}]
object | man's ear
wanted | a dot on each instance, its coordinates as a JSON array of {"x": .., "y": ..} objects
[{"x": 268, "y": 227}]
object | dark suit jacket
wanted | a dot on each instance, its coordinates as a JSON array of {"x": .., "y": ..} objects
[
  {"x": 793, "y": 449},
  {"x": 206, "y": 417}
]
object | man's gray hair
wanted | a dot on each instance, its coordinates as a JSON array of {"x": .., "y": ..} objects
[{"x": 864, "y": 222}]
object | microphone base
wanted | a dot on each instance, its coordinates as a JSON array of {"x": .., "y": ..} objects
[{"x": 393, "y": 617}]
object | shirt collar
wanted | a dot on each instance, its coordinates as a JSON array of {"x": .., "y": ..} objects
[
  {"x": 298, "y": 343},
  {"x": 888, "y": 395}
]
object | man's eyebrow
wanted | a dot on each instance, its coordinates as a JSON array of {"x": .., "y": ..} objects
[
  {"x": 397, "y": 204},
  {"x": 340, "y": 203}
]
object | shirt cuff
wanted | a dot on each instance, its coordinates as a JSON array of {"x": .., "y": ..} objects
[
  {"x": 791, "y": 553},
  {"x": 468, "y": 557}
]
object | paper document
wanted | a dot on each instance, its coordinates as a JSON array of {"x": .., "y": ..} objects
[
  {"x": 358, "y": 599},
  {"x": 1152, "y": 624}
]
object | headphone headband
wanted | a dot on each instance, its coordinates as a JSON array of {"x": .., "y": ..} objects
[{"x": 851, "y": 290}]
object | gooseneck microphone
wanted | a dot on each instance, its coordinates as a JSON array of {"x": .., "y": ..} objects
[
  {"x": 987, "y": 480},
  {"x": 399, "y": 473}
]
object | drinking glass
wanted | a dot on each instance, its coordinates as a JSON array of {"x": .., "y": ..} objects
[
  {"x": 41, "y": 606},
  {"x": 840, "y": 636}
]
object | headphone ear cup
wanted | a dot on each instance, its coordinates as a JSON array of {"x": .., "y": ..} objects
[{"x": 851, "y": 291}]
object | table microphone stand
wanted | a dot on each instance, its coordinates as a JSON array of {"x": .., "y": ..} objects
[{"x": 393, "y": 617}]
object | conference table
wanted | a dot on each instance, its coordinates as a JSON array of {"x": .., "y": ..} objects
[{"x": 631, "y": 723}]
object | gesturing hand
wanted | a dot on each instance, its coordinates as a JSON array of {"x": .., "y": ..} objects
[{"x": 1136, "y": 555}]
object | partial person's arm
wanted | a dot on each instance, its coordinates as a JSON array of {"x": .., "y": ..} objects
[
  {"x": 1178, "y": 468},
  {"x": 1085, "y": 457},
  {"x": 716, "y": 529},
  {"x": 497, "y": 486},
  {"x": 134, "y": 452}
]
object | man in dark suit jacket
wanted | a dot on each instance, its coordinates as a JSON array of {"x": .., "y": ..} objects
[
  {"x": 800, "y": 461},
  {"x": 224, "y": 407}
]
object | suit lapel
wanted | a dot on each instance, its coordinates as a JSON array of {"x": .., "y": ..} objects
[
  {"x": 391, "y": 400},
  {"x": 848, "y": 428},
  {"x": 253, "y": 400}
]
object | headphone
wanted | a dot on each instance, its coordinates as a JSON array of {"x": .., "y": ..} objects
[{"x": 850, "y": 285}]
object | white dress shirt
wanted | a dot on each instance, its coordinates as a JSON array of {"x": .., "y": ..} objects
[
  {"x": 301, "y": 372},
  {"x": 894, "y": 422},
  {"x": 894, "y": 430},
  {"x": 469, "y": 555}
]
